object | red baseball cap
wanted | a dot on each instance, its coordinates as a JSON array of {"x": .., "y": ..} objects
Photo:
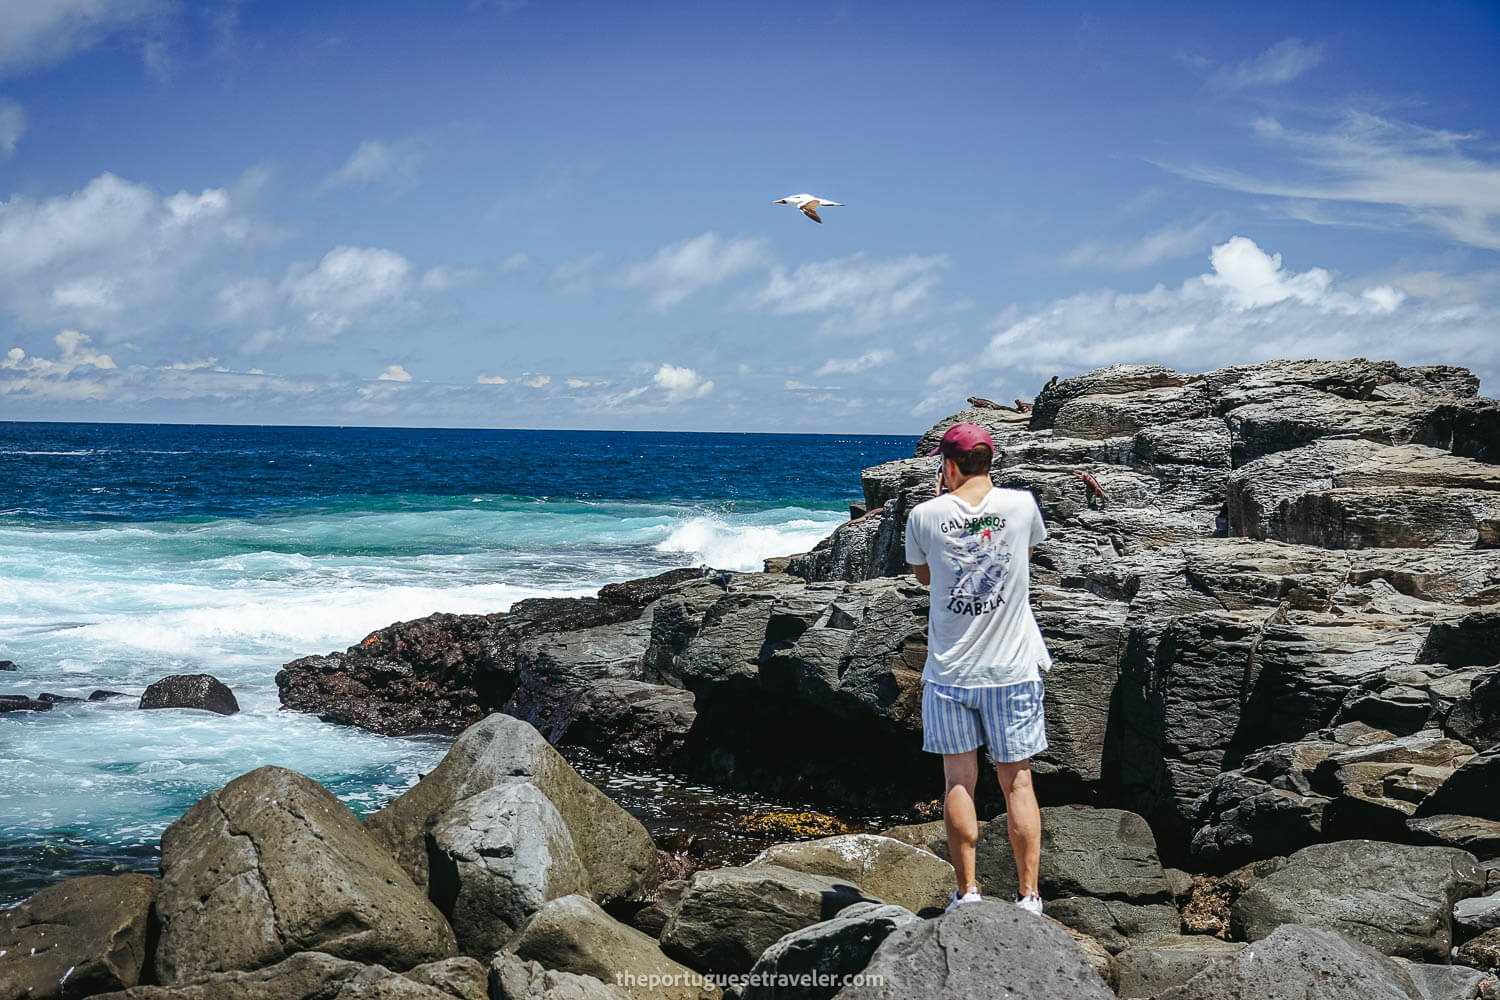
[{"x": 961, "y": 439}]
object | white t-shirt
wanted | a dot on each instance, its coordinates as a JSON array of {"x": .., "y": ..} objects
[{"x": 981, "y": 631}]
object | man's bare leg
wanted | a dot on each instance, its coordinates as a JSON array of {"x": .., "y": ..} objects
[
  {"x": 961, "y": 772},
  {"x": 1023, "y": 819}
]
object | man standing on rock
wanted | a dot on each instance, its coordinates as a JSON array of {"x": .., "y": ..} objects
[{"x": 982, "y": 682}]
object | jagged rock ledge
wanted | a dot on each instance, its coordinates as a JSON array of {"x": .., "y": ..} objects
[{"x": 1271, "y": 593}]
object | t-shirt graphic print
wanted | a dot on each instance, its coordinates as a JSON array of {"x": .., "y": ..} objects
[
  {"x": 979, "y": 566},
  {"x": 980, "y": 631}
]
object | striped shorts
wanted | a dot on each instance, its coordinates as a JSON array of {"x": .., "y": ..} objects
[{"x": 1008, "y": 719}]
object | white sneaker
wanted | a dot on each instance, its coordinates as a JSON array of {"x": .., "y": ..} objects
[
  {"x": 972, "y": 896},
  {"x": 1031, "y": 904}
]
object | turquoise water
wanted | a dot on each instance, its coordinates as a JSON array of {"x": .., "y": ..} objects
[{"x": 130, "y": 553}]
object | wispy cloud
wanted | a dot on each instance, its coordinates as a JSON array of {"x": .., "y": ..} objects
[
  {"x": 849, "y": 366},
  {"x": 1426, "y": 177},
  {"x": 374, "y": 162},
  {"x": 1281, "y": 63},
  {"x": 674, "y": 272},
  {"x": 38, "y": 32},
  {"x": 857, "y": 294},
  {"x": 12, "y": 126},
  {"x": 1175, "y": 239}
]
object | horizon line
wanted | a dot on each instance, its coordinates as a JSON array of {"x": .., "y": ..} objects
[{"x": 402, "y": 427}]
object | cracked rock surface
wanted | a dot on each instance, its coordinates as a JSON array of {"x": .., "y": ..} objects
[{"x": 273, "y": 864}]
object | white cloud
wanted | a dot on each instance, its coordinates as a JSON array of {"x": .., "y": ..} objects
[
  {"x": 848, "y": 366},
  {"x": 1175, "y": 239},
  {"x": 681, "y": 383},
  {"x": 1281, "y": 63},
  {"x": 443, "y": 278},
  {"x": 1249, "y": 307},
  {"x": 792, "y": 385},
  {"x": 375, "y": 162},
  {"x": 36, "y": 32},
  {"x": 679, "y": 270},
  {"x": 577, "y": 383},
  {"x": 12, "y": 126},
  {"x": 534, "y": 381},
  {"x": 492, "y": 380},
  {"x": 394, "y": 373},
  {"x": 1429, "y": 177},
  {"x": 73, "y": 353},
  {"x": 858, "y": 294},
  {"x": 113, "y": 253},
  {"x": 576, "y": 277},
  {"x": 157, "y": 60},
  {"x": 347, "y": 282}
]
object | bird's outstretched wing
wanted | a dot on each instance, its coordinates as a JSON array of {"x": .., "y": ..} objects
[{"x": 811, "y": 211}]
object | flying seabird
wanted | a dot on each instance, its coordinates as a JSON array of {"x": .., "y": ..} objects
[{"x": 807, "y": 203}]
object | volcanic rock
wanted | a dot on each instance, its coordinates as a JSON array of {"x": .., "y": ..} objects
[
  {"x": 728, "y": 916},
  {"x": 495, "y": 858},
  {"x": 191, "y": 691},
  {"x": 827, "y": 951},
  {"x": 1303, "y": 962},
  {"x": 615, "y": 849},
  {"x": 980, "y": 950},
  {"x": 898, "y": 873},
  {"x": 273, "y": 864},
  {"x": 1396, "y": 898},
  {"x": 77, "y": 938},
  {"x": 572, "y": 934}
]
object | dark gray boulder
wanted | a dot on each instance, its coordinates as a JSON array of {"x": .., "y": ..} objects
[
  {"x": 202, "y": 691},
  {"x": 307, "y": 975},
  {"x": 1474, "y": 916},
  {"x": 461, "y": 977},
  {"x": 1116, "y": 925},
  {"x": 271, "y": 865},
  {"x": 513, "y": 978},
  {"x": 980, "y": 950},
  {"x": 495, "y": 858},
  {"x": 77, "y": 938},
  {"x": 1301, "y": 963},
  {"x": 1445, "y": 982},
  {"x": 572, "y": 934},
  {"x": 1468, "y": 791},
  {"x": 1106, "y": 854},
  {"x": 613, "y": 846},
  {"x": 1395, "y": 898},
  {"x": 1480, "y": 837},
  {"x": 729, "y": 916},
  {"x": 825, "y": 952},
  {"x": 23, "y": 703},
  {"x": 1475, "y": 714},
  {"x": 1144, "y": 971}
]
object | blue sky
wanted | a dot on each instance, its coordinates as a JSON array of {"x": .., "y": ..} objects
[{"x": 543, "y": 213}]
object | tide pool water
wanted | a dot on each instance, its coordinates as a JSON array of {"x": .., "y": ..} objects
[{"x": 130, "y": 552}]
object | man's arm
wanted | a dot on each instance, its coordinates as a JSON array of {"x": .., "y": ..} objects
[{"x": 923, "y": 573}]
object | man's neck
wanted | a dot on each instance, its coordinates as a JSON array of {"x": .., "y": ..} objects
[{"x": 973, "y": 489}]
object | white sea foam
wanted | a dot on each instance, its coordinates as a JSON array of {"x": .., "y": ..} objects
[
  {"x": 117, "y": 606},
  {"x": 713, "y": 540}
]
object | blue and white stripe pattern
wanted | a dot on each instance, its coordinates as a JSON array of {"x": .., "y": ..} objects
[{"x": 1009, "y": 719}]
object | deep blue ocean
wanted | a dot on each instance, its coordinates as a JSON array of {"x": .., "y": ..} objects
[{"x": 129, "y": 552}]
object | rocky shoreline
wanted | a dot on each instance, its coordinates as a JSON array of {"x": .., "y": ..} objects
[{"x": 1272, "y": 594}]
